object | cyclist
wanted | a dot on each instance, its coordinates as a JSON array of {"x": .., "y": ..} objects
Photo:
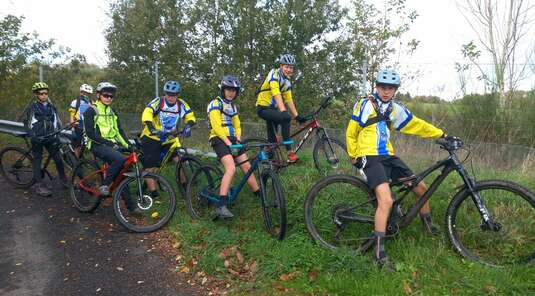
[
  {"x": 106, "y": 136},
  {"x": 41, "y": 119},
  {"x": 274, "y": 95},
  {"x": 160, "y": 119},
  {"x": 76, "y": 111},
  {"x": 371, "y": 151},
  {"x": 225, "y": 130}
]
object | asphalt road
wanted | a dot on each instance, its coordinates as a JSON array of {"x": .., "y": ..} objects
[{"x": 49, "y": 248}]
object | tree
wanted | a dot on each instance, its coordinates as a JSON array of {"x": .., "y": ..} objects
[{"x": 500, "y": 27}]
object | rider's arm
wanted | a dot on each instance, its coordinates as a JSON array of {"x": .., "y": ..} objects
[
  {"x": 72, "y": 111},
  {"x": 352, "y": 132},
  {"x": 90, "y": 130},
  {"x": 122, "y": 132},
  {"x": 216, "y": 124},
  {"x": 276, "y": 93},
  {"x": 237, "y": 126},
  {"x": 27, "y": 119},
  {"x": 190, "y": 115},
  {"x": 407, "y": 123},
  {"x": 292, "y": 108}
]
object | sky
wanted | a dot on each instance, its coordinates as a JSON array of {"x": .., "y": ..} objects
[{"x": 440, "y": 27}]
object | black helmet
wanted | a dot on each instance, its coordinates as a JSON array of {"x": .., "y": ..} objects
[{"x": 230, "y": 81}]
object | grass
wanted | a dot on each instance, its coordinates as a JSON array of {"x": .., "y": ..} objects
[{"x": 424, "y": 265}]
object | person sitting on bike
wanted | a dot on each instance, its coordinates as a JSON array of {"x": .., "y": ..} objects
[
  {"x": 105, "y": 135},
  {"x": 41, "y": 119},
  {"x": 225, "y": 130},
  {"x": 273, "y": 96},
  {"x": 160, "y": 119},
  {"x": 371, "y": 151},
  {"x": 76, "y": 111}
]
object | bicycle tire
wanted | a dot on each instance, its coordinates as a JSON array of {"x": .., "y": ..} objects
[
  {"x": 19, "y": 173},
  {"x": 205, "y": 181},
  {"x": 185, "y": 167},
  {"x": 513, "y": 208},
  {"x": 353, "y": 198},
  {"x": 273, "y": 205},
  {"x": 150, "y": 208},
  {"x": 84, "y": 201},
  {"x": 332, "y": 157}
]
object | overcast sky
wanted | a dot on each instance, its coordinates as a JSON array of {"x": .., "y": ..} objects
[{"x": 440, "y": 27}]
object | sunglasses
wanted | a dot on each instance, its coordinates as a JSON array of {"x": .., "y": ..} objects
[
  {"x": 42, "y": 93},
  {"x": 107, "y": 96}
]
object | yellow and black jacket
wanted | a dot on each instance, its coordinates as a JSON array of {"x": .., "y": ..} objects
[
  {"x": 274, "y": 84},
  {"x": 223, "y": 118},
  {"x": 374, "y": 139}
]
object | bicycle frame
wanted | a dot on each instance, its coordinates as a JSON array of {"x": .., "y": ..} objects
[{"x": 448, "y": 165}]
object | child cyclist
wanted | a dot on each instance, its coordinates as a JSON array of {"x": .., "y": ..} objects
[
  {"x": 274, "y": 95},
  {"x": 105, "y": 136},
  {"x": 76, "y": 111},
  {"x": 160, "y": 119},
  {"x": 41, "y": 119},
  {"x": 371, "y": 151},
  {"x": 225, "y": 131}
]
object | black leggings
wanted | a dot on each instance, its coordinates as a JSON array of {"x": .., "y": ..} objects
[
  {"x": 37, "y": 152},
  {"x": 274, "y": 118},
  {"x": 114, "y": 158}
]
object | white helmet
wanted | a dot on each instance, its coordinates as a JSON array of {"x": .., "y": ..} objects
[{"x": 86, "y": 88}]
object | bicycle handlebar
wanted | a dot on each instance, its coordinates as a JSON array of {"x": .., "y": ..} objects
[{"x": 450, "y": 143}]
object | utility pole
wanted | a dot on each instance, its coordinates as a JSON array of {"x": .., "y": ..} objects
[
  {"x": 156, "y": 87},
  {"x": 364, "y": 77},
  {"x": 40, "y": 73}
]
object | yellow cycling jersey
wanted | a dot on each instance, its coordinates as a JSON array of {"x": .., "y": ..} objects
[
  {"x": 274, "y": 84},
  {"x": 165, "y": 116},
  {"x": 223, "y": 118},
  {"x": 374, "y": 139}
]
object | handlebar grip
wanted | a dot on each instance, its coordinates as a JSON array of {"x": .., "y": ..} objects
[{"x": 236, "y": 146}]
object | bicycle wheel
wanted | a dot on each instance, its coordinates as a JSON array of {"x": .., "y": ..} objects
[
  {"x": 139, "y": 212},
  {"x": 331, "y": 155},
  {"x": 273, "y": 205},
  {"x": 339, "y": 212},
  {"x": 16, "y": 166},
  {"x": 85, "y": 180},
  {"x": 185, "y": 168},
  {"x": 70, "y": 162},
  {"x": 509, "y": 205},
  {"x": 202, "y": 192}
]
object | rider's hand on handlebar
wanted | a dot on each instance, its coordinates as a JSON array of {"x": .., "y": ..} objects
[
  {"x": 301, "y": 119},
  {"x": 186, "y": 132},
  {"x": 360, "y": 162}
]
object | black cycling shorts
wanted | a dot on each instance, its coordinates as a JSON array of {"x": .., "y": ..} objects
[
  {"x": 221, "y": 149},
  {"x": 153, "y": 152},
  {"x": 385, "y": 168}
]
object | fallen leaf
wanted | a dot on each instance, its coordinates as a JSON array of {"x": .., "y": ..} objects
[
  {"x": 62, "y": 242},
  {"x": 227, "y": 263},
  {"x": 312, "y": 275},
  {"x": 204, "y": 280},
  {"x": 407, "y": 288},
  {"x": 239, "y": 256},
  {"x": 414, "y": 275},
  {"x": 184, "y": 269},
  {"x": 120, "y": 268},
  {"x": 253, "y": 267},
  {"x": 288, "y": 276},
  {"x": 140, "y": 282},
  {"x": 176, "y": 245},
  {"x": 232, "y": 271}
]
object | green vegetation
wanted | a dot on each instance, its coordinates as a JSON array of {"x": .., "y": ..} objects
[{"x": 425, "y": 265}]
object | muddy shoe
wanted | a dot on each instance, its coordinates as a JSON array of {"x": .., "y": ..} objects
[
  {"x": 223, "y": 212},
  {"x": 383, "y": 262},
  {"x": 42, "y": 190},
  {"x": 104, "y": 190},
  {"x": 292, "y": 157},
  {"x": 427, "y": 222}
]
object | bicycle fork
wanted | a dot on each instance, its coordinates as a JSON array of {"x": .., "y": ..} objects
[{"x": 488, "y": 221}]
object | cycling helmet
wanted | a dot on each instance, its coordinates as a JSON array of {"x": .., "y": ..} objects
[
  {"x": 39, "y": 86},
  {"x": 172, "y": 87},
  {"x": 388, "y": 77},
  {"x": 230, "y": 81},
  {"x": 86, "y": 88},
  {"x": 106, "y": 86},
  {"x": 286, "y": 59}
]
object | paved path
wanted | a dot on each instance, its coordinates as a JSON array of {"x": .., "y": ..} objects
[{"x": 49, "y": 248}]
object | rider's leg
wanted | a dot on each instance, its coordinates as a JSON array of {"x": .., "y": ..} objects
[
  {"x": 425, "y": 211},
  {"x": 274, "y": 117},
  {"x": 37, "y": 154},
  {"x": 151, "y": 158},
  {"x": 230, "y": 170},
  {"x": 245, "y": 166},
  {"x": 53, "y": 150},
  {"x": 114, "y": 158},
  {"x": 384, "y": 205}
]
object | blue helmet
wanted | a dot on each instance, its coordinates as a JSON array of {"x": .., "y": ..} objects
[
  {"x": 172, "y": 87},
  {"x": 286, "y": 59},
  {"x": 388, "y": 77}
]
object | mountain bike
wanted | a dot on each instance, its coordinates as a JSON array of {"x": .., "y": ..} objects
[
  {"x": 328, "y": 153},
  {"x": 133, "y": 207},
  {"x": 16, "y": 162},
  {"x": 202, "y": 192},
  {"x": 491, "y": 221}
]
